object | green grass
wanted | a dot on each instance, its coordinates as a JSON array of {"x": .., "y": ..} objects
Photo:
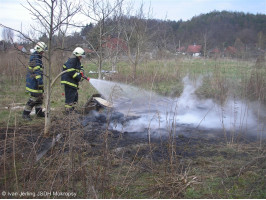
[
  {"x": 133, "y": 191},
  {"x": 248, "y": 186},
  {"x": 220, "y": 78},
  {"x": 15, "y": 93}
]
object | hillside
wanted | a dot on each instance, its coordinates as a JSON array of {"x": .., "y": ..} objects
[
  {"x": 215, "y": 29},
  {"x": 223, "y": 29},
  {"x": 246, "y": 32}
]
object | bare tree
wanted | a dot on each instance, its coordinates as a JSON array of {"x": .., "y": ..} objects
[
  {"x": 205, "y": 38},
  {"x": 63, "y": 27},
  {"x": 51, "y": 16},
  {"x": 8, "y": 35},
  {"x": 115, "y": 46},
  {"x": 135, "y": 34},
  {"x": 99, "y": 11}
]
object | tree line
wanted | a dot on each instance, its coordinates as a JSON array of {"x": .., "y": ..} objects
[
  {"x": 221, "y": 29},
  {"x": 217, "y": 29},
  {"x": 224, "y": 28}
]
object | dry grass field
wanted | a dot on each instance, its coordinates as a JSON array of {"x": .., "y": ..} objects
[{"x": 91, "y": 161}]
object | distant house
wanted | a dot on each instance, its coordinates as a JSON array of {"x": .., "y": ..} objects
[
  {"x": 115, "y": 44},
  {"x": 21, "y": 48},
  {"x": 88, "y": 50},
  {"x": 194, "y": 50},
  {"x": 230, "y": 51}
]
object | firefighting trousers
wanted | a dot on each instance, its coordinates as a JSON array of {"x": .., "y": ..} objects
[
  {"x": 71, "y": 95},
  {"x": 35, "y": 100}
]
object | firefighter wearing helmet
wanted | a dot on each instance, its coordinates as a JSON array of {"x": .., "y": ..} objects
[
  {"x": 34, "y": 82},
  {"x": 72, "y": 77}
]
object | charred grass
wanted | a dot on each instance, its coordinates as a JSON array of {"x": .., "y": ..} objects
[
  {"x": 97, "y": 163},
  {"x": 90, "y": 161}
]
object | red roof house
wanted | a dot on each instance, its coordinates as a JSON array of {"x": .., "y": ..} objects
[
  {"x": 194, "y": 49},
  {"x": 88, "y": 50},
  {"x": 115, "y": 44},
  {"x": 231, "y": 50},
  {"x": 21, "y": 48}
]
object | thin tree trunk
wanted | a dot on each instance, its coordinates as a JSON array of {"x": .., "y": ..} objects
[{"x": 47, "y": 125}]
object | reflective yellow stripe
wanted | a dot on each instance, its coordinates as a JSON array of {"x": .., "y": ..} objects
[
  {"x": 68, "y": 83},
  {"x": 68, "y": 106},
  {"x": 71, "y": 69},
  {"x": 35, "y": 91},
  {"x": 35, "y": 68},
  {"x": 75, "y": 75},
  {"x": 39, "y": 76}
]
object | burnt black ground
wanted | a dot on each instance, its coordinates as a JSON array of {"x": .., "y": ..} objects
[
  {"x": 205, "y": 152},
  {"x": 95, "y": 132},
  {"x": 187, "y": 141}
]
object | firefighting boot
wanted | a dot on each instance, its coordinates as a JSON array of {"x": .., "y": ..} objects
[
  {"x": 26, "y": 115},
  {"x": 39, "y": 112}
]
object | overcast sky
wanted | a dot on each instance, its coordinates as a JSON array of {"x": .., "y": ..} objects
[{"x": 14, "y": 15}]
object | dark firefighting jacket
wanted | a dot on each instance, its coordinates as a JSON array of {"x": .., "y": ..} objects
[
  {"x": 34, "y": 77},
  {"x": 73, "y": 75}
]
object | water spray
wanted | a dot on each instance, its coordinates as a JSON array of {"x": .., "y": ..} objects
[{"x": 154, "y": 112}]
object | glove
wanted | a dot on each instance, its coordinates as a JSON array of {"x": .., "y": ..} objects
[{"x": 83, "y": 76}]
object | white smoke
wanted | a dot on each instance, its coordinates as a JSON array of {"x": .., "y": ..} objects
[{"x": 157, "y": 112}]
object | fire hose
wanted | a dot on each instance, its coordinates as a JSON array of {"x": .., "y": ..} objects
[{"x": 85, "y": 77}]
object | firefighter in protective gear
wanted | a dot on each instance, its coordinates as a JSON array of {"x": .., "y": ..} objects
[
  {"x": 72, "y": 77},
  {"x": 34, "y": 82}
]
